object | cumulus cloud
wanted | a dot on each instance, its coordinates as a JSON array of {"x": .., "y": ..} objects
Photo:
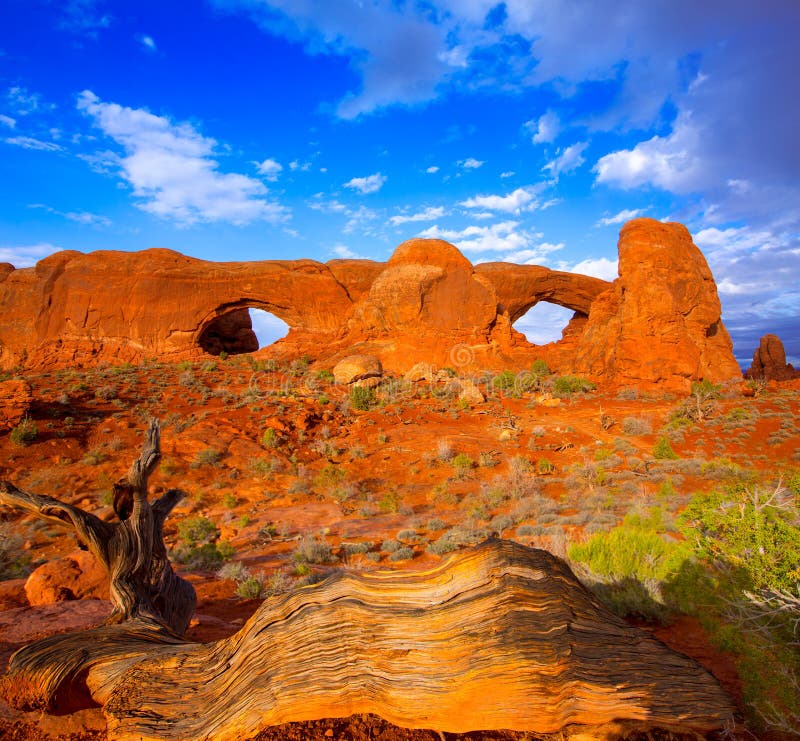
[
  {"x": 344, "y": 252},
  {"x": 270, "y": 169},
  {"x": 172, "y": 169},
  {"x": 432, "y": 169},
  {"x": 518, "y": 244},
  {"x": 567, "y": 160},
  {"x": 600, "y": 267},
  {"x": 368, "y": 184},
  {"x": 621, "y": 217},
  {"x": 522, "y": 199},
  {"x": 399, "y": 55},
  {"x": 470, "y": 163},
  {"x": 545, "y": 128},
  {"x": 23, "y": 256},
  {"x": 428, "y": 214}
]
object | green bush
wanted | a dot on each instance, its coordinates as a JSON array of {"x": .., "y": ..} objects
[
  {"x": 362, "y": 398},
  {"x": 402, "y": 554},
  {"x": 504, "y": 381},
  {"x": 540, "y": 368},
  {"x": 463, "y": 465},
  {"x": 564, "y": 386},
  {"x": 312, "y": 550},
  {"x": 270, "y": 438},
  {"x": 662, "y": 450},
  {"x": 25, "y": 432}
]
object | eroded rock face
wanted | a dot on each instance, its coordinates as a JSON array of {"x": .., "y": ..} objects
[
  {"x": 660, "y": 322},
  {"x": 769, "y": 361},
  {"x": 15, "y": 400}
]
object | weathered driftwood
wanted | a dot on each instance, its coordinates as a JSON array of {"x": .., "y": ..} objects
[
  {"x": 143, "y": 584},
  {"x": 497, "y": 637}
]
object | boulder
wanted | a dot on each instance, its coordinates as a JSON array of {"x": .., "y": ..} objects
[
  {"x": 420, "y": 372},
  {"x": 469, "y": 392},
  {"x": 659, "y": 323},
  {"x": 362, "y": 370},
  {"x": 769, "y": 361},
  {"x": 15, "y": 400},
  {"x": 75, "y": 576}
]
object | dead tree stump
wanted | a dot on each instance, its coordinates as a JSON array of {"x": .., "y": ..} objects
[{"x": 143, "y": 585}]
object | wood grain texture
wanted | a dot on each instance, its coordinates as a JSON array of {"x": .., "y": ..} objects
[{"x": 497, "y": 637}]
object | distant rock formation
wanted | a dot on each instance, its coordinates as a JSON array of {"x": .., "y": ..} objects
[
  {"x": 769, "y": 361},
  {"x": 657, "y": 324}
]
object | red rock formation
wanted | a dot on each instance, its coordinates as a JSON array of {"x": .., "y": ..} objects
[
  {"x": 769, "y": 361},
  {"x": 659, "y": 323},
  {"x": 15, "y": 400}
]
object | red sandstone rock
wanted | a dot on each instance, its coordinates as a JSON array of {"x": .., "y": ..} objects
[
  {"x": 659, "y": 323},
  {"x": 769, "y": 361},
  {"x": 358, "y": 370},
  {"x": 15, "y": 400},
  {"x": 76, "y": 576}
]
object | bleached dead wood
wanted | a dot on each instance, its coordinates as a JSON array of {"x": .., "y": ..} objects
[{"x": 497, "y": 637}]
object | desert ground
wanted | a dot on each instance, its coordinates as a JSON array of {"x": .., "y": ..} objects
[{"x": 291, "y": 476}]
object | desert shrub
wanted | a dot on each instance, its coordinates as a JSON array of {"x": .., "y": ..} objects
[
  {"x": 311, "y": 549},
  {"x": 362, "y": 398},
  {"x": 564, "y": 386},
  {"x": 199, "y": 548},
  {"x": 463, "y": 465},
  {"x": 330, "y": 477},
  {"x": 504, "y": 381},
  {"x": 233, "y": 570},
  {"x": 444, "y": 451},
  {"x": 94, "y": 457},
  {"x": 270, "y": 438},
  {"x": 251, "y": 587},
  {"x": 207, "y": 457},
  {"x": 229, "y": 501},
  {"x": 390, "y": 501},
  {"x": 636, "y": 426},
  {"x": 540, "y": 368},
  {"x": 390, "y": 546},
  {"x": 25, "y": 432},
  {"x": 662, "y": 450},
  {"x": 436, "y": 524},
  {"x": 456, "y": 537},
  {"x": 544, "y": 466},
  {"x": 106, "y": 393},
  {"x": 353, "y": 548},
  {"x": 326, "y": 375},
  {"x": 14, "y": 561},
  {"x": 402, "y": 554}
]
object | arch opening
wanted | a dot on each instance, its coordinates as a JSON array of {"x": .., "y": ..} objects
[
  {"x": 544, "y": 322},
  {"x": 241, "y": 330}
]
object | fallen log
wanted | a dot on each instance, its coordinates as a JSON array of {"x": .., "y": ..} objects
[{"x": 497, "y": 637}]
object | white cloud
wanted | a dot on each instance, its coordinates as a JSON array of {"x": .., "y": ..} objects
[
  {"x": 470, "y": 163},
  {"x": 7, "y": 121},
  {"x": 344, "y": 252},
  {"x": 522, "y": 199},
  {"x": 23, "y": 256},
  {"x": 172, "y": 169},
  {"x": 546, "y": 128},
  {"x": 567, "y": 160},
  {"x": 79, "y": 217},
  {"x": 270, "y": 169},
  {"x": 600, "y": 267},
  {"x": 368, "y": 184},
  {"x": 297, "y": 166},
  {"x": 621, "y": 217},
  {"x": 147, "y": 42},
  {"x": 507, "y": 174},
  {"x": 428, "y": 214},
  {"x": 28, "y": 142},
  {"x": 81, "y": 16},
  {"x": 23, "y": 102},
  {"x": 715, "y": 241},
  {"x": 432, "y": 169},
  {"x": 506, "y": 236}
]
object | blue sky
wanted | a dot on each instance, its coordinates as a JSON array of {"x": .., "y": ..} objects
[{"x": 526, "y": 131}]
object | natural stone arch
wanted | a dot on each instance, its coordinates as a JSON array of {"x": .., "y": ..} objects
[
  {"x": 558, "y": 319},
  {"x": 228, "y": 328}
]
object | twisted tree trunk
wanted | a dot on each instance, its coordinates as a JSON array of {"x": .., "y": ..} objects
[{"x": 143, "y": 584}]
